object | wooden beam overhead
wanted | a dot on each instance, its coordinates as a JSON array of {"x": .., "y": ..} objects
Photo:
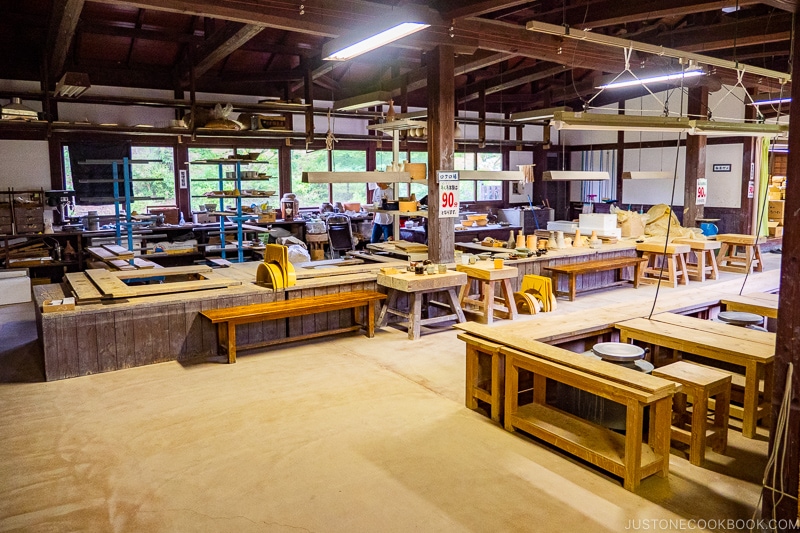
[
  {"x": 222, "y": 43},
  {"x": 138, "y": 33},
  {"x": 613, "y": 12},
  {"x": 508, "y": 80},
  {"x": 457, "y": 9},
  {"x": 756, "y": 30},
  {"x": 64, "y": 20}
]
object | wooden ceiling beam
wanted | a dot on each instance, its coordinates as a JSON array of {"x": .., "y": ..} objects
[
  {"x": 786, "y": 5},
  {"x": 508, "y": 80},
  {"x": 457, "y": 9},
  {"x": 138, "y": 33},
  {"x": 64, "y": 19},
  {"x": 751, "y": 31},
  {"x": 613, "y": 12},
  {"x": 222, "y": 43}
]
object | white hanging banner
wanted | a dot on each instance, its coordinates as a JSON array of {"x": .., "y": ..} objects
[
  {"x": 448, "y": 193},
  {"x": 702, "y": 191}
]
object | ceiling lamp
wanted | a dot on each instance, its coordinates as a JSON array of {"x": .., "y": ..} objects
[
  {"x": 607, "y": 40},
  {"x": 771, "y": 101},
  {"x": 574, "y": 175},
  {"x": 647, "y": 175},
  {"x": 737, "y": 129},
  {"x": 362, "y": 101},
  {"x": 538, "y": 114},
  {"x": 396, "y": 24},
  {"x": 564, "y": 120},
  {"x": 618, "y": 84},
  {"x": 72, "y": 84}
]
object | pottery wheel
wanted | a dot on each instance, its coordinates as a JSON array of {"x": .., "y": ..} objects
[
  {"x": 618, "y": 352},
  {"x": 739, "y": 318}
]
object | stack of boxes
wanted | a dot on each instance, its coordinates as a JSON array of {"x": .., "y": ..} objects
[{"x": 777, "y": 193}]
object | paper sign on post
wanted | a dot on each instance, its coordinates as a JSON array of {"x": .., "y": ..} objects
[
  {"x": 702, "y": 191},
  {"x": 448, "y": 193}
]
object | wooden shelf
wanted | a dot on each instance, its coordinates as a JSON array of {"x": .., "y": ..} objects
[
  {"x": 401, "y": 213},
  {"x": 360, "y": 177}
]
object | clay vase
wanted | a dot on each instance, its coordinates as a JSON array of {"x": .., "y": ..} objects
[
  {"x": 520, "y": 240},
  {"x": 567, "y": 242},
  {"x": 512, "y": 243},
  {"x": 552, "y": 244},
  {"x": 594, "y": 242},
  {"x": 531, "y": 242},
  {"x": 560, "y": 240},
  {"x": 578, "y": 242}
]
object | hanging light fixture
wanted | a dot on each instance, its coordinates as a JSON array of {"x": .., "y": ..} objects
[
  {"x": 646, "y": 175},
  {"x": 396, "y": 24},
  {"x": 564, "y": 120},
  {"x": 538, "y": 114},
  {"x": 656, "y": 78},
  {"x": 363, "y": 101},
  {"x": 574, "y": 175}
]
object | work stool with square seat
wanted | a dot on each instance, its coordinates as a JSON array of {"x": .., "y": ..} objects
[
  {"x": 705, "y": 265},
  {"x": 316, "y": 245},
  {"x": 700, "y": 383},
  {"x": 738, "y": 253},
  {"x": 488, "y": 303},
  {"x": 671, "y": 261}
]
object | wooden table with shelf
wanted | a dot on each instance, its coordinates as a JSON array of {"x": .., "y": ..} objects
[
  {"x": 417, "y": 287},
  {"x": 760, "y": 303},
  {"x": 750, "y": 349},
  {"x": 487, "y": 304}
]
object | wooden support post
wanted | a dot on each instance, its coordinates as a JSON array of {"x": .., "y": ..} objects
[
  {"x": 441, "y": 113},
  {"x": 787, "y": 348},
  {"x": 695, "y": 158},
  {"x": 539, "y": 185},
  {"x": 620, "y": 155},
  {"x": 308, "y": 89},
  {"x": 750, "y": 148},
  {"x": 284, "y": 169}
]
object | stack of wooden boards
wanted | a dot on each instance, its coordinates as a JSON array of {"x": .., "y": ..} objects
[
  {"x": 119, "y": 257},
  {"x": 536, "y": 294},
  {"x": 411, "y": 247},
  {"x": 96, "y": 285},
  {"x": 23, "y": 254}
]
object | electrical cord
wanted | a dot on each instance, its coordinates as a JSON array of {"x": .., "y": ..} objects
[{"x": 780, "y": 443}]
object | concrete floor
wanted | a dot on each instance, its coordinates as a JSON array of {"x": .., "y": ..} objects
[{"x": 343, "y": 434}]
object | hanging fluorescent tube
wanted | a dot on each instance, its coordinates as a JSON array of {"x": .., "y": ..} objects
[
  {"x": 538, "y": 114},
  {"x": 574, "y": 175},
  {"x": 365, "y": 100},
  {"x": 653, "y": 79},
  {"x": 737, "y": 129},
  {"x": 394, "y": 24},
  {"x": 773, "y": 101},
  {"x": 646, "y": 175},
  {"x": 607, "y": 122}
]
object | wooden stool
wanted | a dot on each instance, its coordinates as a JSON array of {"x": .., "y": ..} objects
[
  {"x": 316, "y": 245},
  {"x": 700, "y": 383},
  {"x": 486, "y": 304},
  {"x": 674, "y": 263},
  {"x": 485, "y": 377},
  {"x": 738, "y": 253},
  {"x": 706, "y": 265}
]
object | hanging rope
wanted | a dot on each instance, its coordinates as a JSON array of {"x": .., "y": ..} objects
[{"x": 329, "y": 137}]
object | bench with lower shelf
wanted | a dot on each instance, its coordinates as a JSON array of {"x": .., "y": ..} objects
[{"x": 227, "y": 319}]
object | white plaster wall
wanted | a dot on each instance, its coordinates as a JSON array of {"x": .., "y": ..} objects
[{"x": 24, "y": 164}]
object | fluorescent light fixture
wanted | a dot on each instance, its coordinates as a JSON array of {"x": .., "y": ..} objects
[
  {"x": 574, "y": 175},
  {"x": 72, "y": 84},
  {"x": 737, "y": 129},
  {"x": 393, "y": 25},
  {"x": 607, "y": 122},
  {"x": 362, "y": 101},
  {"x": 653, "y": 79},
  {"x": 772, "y": 101},
  {"x": 646, "y": 175},
  {"x": 538, "y": 114},
  {"x": 607, "y": 40},
  {"x": 491, "y": 175}
]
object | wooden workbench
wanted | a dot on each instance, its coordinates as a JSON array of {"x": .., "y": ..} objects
[
  {"x": 755, "y": 302},
  {"x": 417, "y": 287},
  {"x": 752, "y": 350}
]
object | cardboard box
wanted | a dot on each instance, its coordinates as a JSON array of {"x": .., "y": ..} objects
[
  {"x": 774, "y": 192},
  {"x": 775, "y": 210},
  {"x": 777, "y": 231}
]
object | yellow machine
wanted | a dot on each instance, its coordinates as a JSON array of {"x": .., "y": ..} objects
[
  {"x": 276, "y": 272},
  {"x": 535, "y": 294}
]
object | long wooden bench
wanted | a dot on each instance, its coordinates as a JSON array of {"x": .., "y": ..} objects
[
  {"x": 590, "y": 267},
  {"x": 228, "y": 319},
  {"x": 628, "y": 456}
]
